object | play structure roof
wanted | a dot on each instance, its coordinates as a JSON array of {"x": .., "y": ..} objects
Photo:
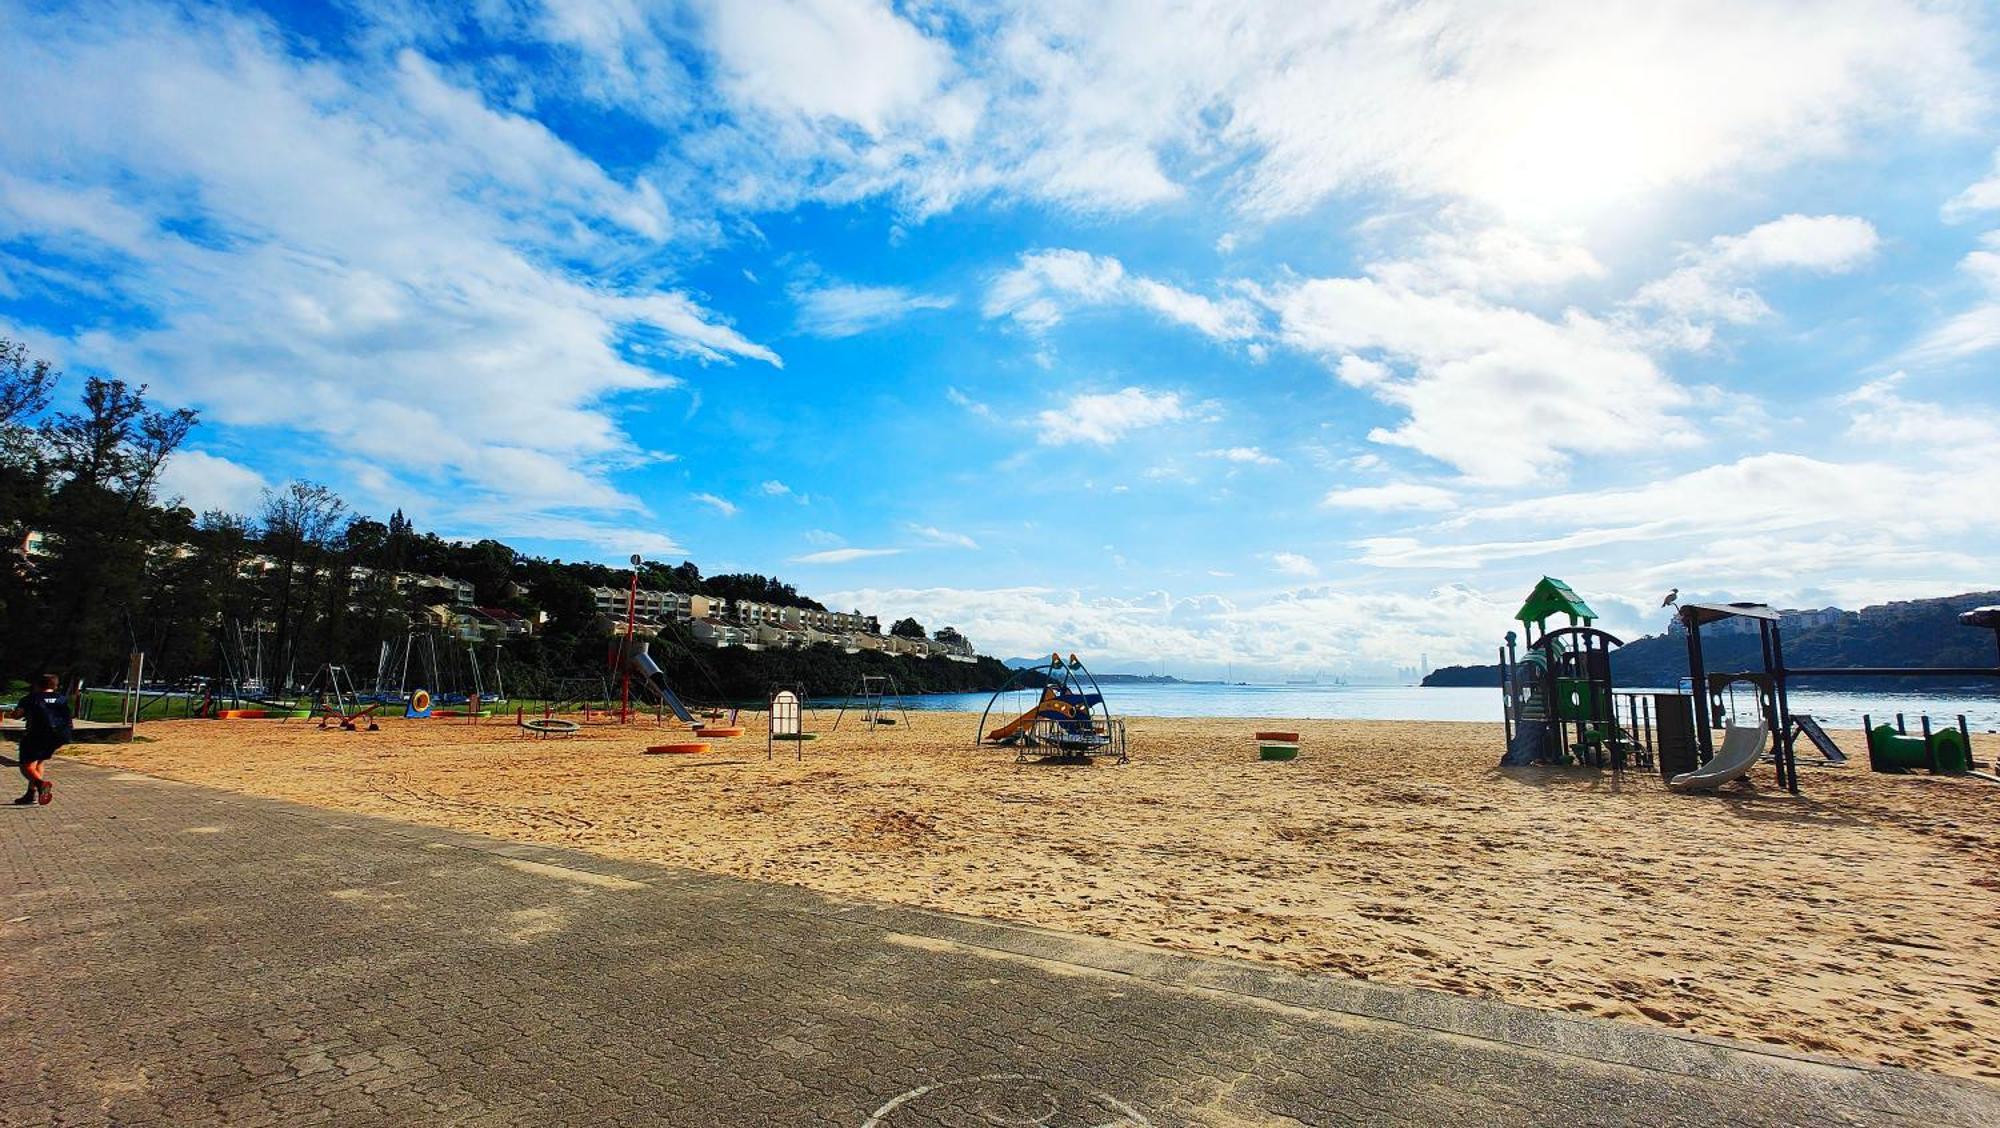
[
  {"x": 1697, "y": 614},
  {"x": 1553, "y": 597},
  {"x": 1988, "y": 617}
]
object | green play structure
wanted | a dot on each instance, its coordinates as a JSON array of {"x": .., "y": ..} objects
[
  {"x": 1560, "y": 705},
  {"x": 1892, "y": 748}
]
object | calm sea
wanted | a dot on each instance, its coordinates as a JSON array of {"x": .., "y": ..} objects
[{"x": 1415, "y": 703}]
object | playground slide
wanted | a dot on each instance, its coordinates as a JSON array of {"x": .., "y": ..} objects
[
  {"x": 646, "y": 673},
  {"x": 1025, "y": 721},
  {"x": 1823, "y": 742},
  {"x": 1741, "y": 749}
]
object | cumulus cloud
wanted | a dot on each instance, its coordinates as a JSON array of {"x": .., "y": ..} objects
[
  {"x": 205, "y": 481},
  {"x": 1105, "y": 417},
  {"x": 1464, "y": 370},
  {"x": 1493, "y": 260},
  {"x": 1712, "y": 285},
  {"x": 849, "y": 62}
]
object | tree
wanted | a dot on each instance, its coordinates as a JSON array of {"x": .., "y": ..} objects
[
  {"x": 101, "y": 524},
  {"x": 26, "y": 383},
  {"x": 908, "y": 628},
  {"x": 298, "y": 531}
]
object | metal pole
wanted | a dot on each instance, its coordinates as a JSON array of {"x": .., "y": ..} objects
[
  {"x": 1703, "y": 717},
  {"x": 625, "y": 654},
  {"x": 1786, "y": 740}
]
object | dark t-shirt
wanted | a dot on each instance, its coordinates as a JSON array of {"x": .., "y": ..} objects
[{"x": 48, "y": 724}]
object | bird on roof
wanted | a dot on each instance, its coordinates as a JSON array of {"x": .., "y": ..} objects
[{"x": 1673, "y": 598}]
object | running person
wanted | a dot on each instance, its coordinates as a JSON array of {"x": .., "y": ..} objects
[{"x": 47, "y": 713}]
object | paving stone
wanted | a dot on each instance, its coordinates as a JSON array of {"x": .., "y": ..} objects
[{"x": 300, "y": 967}]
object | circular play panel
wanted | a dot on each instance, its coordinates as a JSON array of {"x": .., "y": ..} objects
[
  {"x": 1008, "y": 1099},
  {"x": 685, "y": 748}
]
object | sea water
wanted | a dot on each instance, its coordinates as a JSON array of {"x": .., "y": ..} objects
[{"x": 1418, "y": 703}]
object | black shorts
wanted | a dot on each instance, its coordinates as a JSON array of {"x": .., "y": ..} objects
[{"x": 35, "y": 755}]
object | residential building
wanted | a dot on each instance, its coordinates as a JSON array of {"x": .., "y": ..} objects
[
  {"x": 459, "y": 593},
  {"x": 510, "y": 624},
  {"x": 717, "y": 633}
]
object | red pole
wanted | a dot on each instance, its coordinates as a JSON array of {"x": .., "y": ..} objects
[{"x": 631, "y": 622}]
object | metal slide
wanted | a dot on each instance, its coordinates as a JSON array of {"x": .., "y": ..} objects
[{"x": 646, "y": 673}]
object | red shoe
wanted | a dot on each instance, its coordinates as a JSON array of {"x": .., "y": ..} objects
[{"x": 45, "y": 793}]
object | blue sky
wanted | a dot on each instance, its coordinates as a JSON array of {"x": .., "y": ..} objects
[{"x": 1269, "y": 337}]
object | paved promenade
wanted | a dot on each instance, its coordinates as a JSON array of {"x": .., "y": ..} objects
[{"x": 207, "y": 958}]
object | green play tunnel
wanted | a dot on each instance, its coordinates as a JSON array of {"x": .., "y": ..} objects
[{"x": 1901, "y": 751}]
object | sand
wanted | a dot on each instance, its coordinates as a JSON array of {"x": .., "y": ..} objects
[{"x": 1860, "y": 920}]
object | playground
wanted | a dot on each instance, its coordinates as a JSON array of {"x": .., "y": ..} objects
[{"x": 1859, "y": 918}]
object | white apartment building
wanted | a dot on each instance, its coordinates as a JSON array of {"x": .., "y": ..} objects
[
  {"x": 719, "y": 634},
  {"x": 648, "y": 604}
]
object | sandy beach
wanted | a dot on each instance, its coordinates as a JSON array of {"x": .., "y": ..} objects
[{"x": 1861, "y": 919}]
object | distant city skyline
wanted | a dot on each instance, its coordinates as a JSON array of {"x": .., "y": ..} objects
[{"x": 1249, "y": 337}]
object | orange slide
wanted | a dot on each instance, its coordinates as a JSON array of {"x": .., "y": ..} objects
[{"x": 1025, "y": 721}]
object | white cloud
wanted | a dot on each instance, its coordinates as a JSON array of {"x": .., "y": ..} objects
[
  {"x": 852, "y": 61},
  {"x": 720, "y": 504},
  {"x": 1045, "y": 286},
  {"x": 1568, "y": 112},
  {"x": 1975, "y": 329},
  {"x": 844, "y": 555},
  {"x": 1711, "y": 285},
  {"x": 1292, "y": 564},
  {"x": 983, "y": 410},
  {"x": 1465, "y": 370},
  {"x": 1979, "y": 197},
  {"x": 1311, "y": 628},
  {"x": 943, "y": 537},
  {"x": 846, "y": 311},
  {"x": 1105, "y": 417},
  {"x": 413, "y": 241},
  {"x": 1397, "y": 496},
  {"x": 1252, "y": 456},
  {"x": 206, "y": 481},
  {"x": 1493, "y": 260},
  {"x": 773, "y": 488}
]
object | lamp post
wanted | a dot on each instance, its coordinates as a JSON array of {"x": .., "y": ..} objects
[{"x": 631, "y": 635}]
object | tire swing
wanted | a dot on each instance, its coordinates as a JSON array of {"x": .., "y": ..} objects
[
  {"x": 686, "y": 748},
  {"x": 545, "y": 727}
]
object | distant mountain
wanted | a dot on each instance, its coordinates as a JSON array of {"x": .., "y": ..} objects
[
  {"x": 1111, "y": 679},
  {"x": 1913, "y": 634}
]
